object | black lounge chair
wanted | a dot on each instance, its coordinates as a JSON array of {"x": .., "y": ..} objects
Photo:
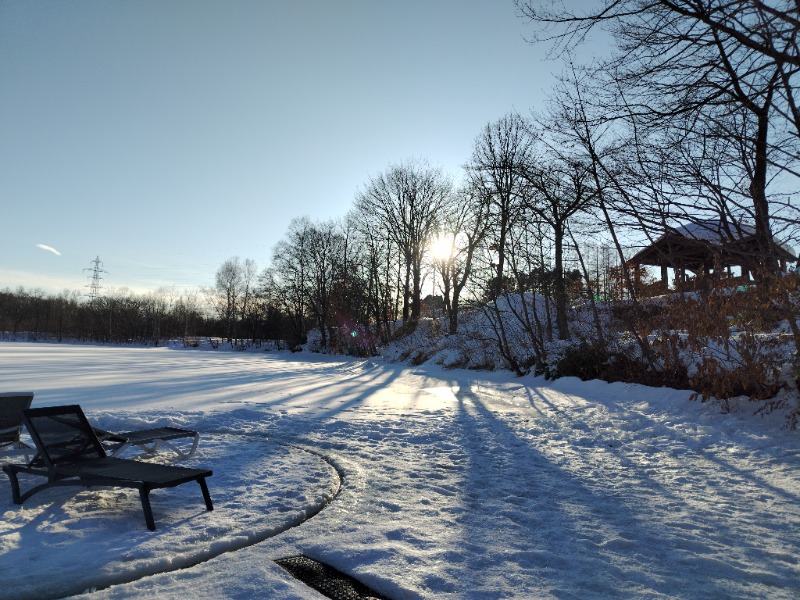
[
  {"x": 69, "y": 454},
  {"x": 11, "y": 406}
]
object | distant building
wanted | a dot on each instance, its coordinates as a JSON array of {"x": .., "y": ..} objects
[{"x": 432, "y": 306}]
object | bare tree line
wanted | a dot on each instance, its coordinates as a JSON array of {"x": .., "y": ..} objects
[{"x": 119, "y": 317}]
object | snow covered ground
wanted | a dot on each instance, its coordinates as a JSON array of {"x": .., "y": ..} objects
[{"x": 420, "y": 482}]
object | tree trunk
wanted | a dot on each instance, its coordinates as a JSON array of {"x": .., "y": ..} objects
[
  {"x": 758, "y": 191},
  {"x": 560, "y": 292}
]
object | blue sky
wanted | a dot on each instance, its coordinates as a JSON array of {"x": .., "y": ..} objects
[{"x": 167, "y": 136}]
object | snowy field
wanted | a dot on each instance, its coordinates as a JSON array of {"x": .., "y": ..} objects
[{"x": 420, "y": 482}]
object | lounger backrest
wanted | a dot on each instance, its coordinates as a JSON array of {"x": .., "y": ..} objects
[
  {"x": 62, "y": 434},
  {"x": 11, "y": 406}
]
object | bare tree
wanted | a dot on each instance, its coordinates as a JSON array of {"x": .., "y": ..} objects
[
  {"x": 561, "y": 188},
  {"x": 379, "y": 263},
  {"x": 597, "y": 143},
  {"x": 286, "y": 281},
  {"x": 327, "y": 263},
  {"x": 186, "y": 311},
  {"x": 233, "y": 292},
  {"x": 500, "y": 153},
  {"x": 312, "y": 274},
  {"x": 463, "y": 229},
  {"x": 407, "y": 201}
]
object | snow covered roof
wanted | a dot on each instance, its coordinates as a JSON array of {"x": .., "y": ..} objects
[
  {"x": 713, "y": 231},
  {"x": 689, "y": 245}
]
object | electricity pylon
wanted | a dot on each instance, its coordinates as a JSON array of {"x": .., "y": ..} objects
[{"x": 95, "y": 279}]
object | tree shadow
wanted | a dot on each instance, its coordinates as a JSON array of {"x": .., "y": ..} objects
[{"x": 578, "y": 530}]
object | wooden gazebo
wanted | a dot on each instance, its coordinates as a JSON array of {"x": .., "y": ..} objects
[{"x": 708, "y": 249}]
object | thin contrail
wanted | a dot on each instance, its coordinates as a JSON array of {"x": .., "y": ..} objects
[{"x": 49, "y": 249}]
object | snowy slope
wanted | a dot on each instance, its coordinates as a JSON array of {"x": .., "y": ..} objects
[{"x": 421, "y": 482}]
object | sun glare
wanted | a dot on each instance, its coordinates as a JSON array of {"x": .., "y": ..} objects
[{"x": 442, "y": 247}]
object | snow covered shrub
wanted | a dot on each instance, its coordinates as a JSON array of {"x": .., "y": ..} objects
[
  {"x": 414, "y": 346},
  {"x": 671, "y": 350},
  {"x": 744, "y": 364},
  {"x": 720, "y": 343},
  {"x": 313, "y": 341},
  {"x": 793, "y": 380},
  {"x": 352, "y": 338},
  {"x": 522, "y": 325},
  {"x": 637, "y": 316},
  {"x": 586, "y": 361},
  {"x": 726, "y": 340}
]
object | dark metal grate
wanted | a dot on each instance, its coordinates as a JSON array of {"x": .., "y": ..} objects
[{"x": 327, "y": 580}]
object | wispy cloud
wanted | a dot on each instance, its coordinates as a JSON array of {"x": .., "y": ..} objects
[{"x": 48, "y": 249}]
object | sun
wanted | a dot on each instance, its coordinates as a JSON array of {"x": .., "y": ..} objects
[{"x": 442, "y": 247}]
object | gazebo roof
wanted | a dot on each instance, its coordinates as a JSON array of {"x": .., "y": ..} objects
[{"x": 704, "y": 244}]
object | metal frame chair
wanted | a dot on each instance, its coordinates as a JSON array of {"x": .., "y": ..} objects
[
  {"x": 150, "y": 441},
  {"x": 69, "y": 454}
]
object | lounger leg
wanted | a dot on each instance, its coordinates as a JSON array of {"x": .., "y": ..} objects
[
  {"x": 12, "y": 475},
  {"x": 206, "y": 495},
  {"x": 144, "y": 494},
  {"x": 120, "y": 449},
  {"x": 181, "y": 454},
  {"x": 16, "y": 496}
]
